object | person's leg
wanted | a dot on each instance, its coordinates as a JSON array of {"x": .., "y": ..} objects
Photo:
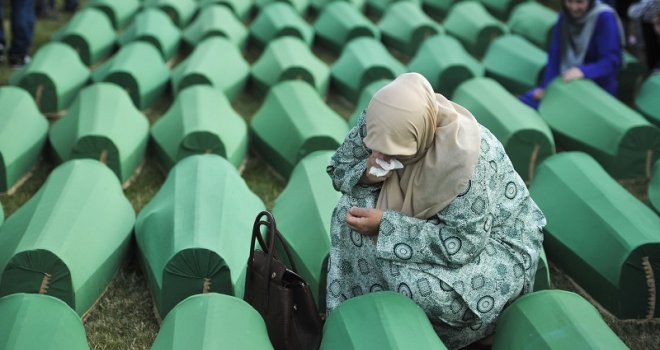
[
  {"x": 22, "y": 29},
  {"x": 652, "y": 46}
]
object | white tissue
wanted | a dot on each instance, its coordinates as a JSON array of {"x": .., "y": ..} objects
[{"x": 385, "y": 167}]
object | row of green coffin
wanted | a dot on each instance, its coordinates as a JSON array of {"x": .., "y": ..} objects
[
  {"x": 517, "y": 61},
  {"x": 192, "y": 125},
  {"x": 181, "y": 12},
  {"x": 224, "y": 261},
  {"x": 55, "y": 76},
  {"x": 317, "y": 166},
  {"x": 549, "y": 319},
  {"x": 404, "y": 28},
  {"x": 91, "y": 34},
  {"x": 70, "y": 238},
  {"x": 287, "y": 58},
  {"x": 103, "y": 124}
]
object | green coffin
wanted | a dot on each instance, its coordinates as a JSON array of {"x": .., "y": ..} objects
[
  {"x": 438, "y": 8},
  {"x": 212, "y": 321},
  {"x": 303, "y": 211},
  {"x": 140, "y": 70},
  {"x": 320, "y": 5},
  {"x": 365, "y": 97},
  {"x": 180, "y": 11},
  {"x": 648, "y": 101},
  {"x": 288, "y": 58},
  {"x": 32, "y": 321},
  {"x": 215, "y": 20},
  {"x": 120, "y": 13},
  {"x": 553, "y": 319},
  {"x": 104, "y": 125},
  {"x": 201, "y": 120},
  {"x": 473, "y": 26},
  {"x": 278, "y": 19},
  {"x": 380, "y": 320},
  {"x": 500, "y": 9},
  {"x": 527, "y": 139},
  {"x": 293, "y": 122},
  {"x": 404, "y": 27},
  {"x": 241, "y": 8},
  {"x": 23, "y": 132},
  {"x": 53, "y": 77},
  {"x": 363, "y": 61},
  {"x": 586, "y": 118},
  {"x": 194, "y": 235},
  {"x": 445, "y": 63},
  {"x": 533, "y": 21},
  {"x": 90, "y": 33},
  {"x": 376, "y": 8},
  {"x": 515, "y": 63},
  {"x": 654, "y": 187},
  {"x": 156, "y": 28},
  {"x": 606, "y": 239},
  {"x": 217, "y": 62},
  {"x": 300, "y": 6},
  {"x": 339, "y": 23},
  {"x": 631, "y": 78},
  {"x": 70, "y": 239}
]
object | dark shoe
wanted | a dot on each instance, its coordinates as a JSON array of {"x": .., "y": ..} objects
[{"x": 20, "y": 61}]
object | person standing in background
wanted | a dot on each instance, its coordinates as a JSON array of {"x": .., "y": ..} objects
[
  {"x": 649, "y": 13},
  {"x": 22, "y": 30}
]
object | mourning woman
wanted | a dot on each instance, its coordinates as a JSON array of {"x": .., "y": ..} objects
[
  {"x": 455, "y": 229},
  {"x": 586, "y": 43}
]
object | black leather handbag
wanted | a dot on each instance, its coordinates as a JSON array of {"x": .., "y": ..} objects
[{"x": 281, "y": 296}]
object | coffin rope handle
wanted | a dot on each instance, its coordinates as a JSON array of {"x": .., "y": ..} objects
[
  {"x": 207, "y": 285},
  {"x": 103, "y": 158},
  {"x": 45, "y": 283},
  {"x": 649, "y": 163},
  {"x": 532, "y": 162},
  {"x": 38, "y": 94},
  {"x": 650, "y": 283}
]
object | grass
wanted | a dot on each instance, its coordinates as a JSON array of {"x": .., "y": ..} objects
[{"x": 123, "y": 317}]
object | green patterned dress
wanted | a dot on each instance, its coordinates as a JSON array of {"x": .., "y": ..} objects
[{"x": 462, "y": 266}]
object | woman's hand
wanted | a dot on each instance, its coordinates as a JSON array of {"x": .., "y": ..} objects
[
  {"x": 368, "y": 178},
  {"x": 364, "y": 220},
  {"x": 538, "y": 93},
  {"x": 572, "y": 73}
]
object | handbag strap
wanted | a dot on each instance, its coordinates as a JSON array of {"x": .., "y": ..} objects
[{"x": 272, "y": 235}]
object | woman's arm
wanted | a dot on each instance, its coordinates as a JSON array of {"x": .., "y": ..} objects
[
  {"x": 608, "y": 48},
  {"x": 449, "y": 243},
  {"x": 349, "y": 162}
]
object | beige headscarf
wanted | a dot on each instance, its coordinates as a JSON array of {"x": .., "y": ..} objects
[{"x": 406, "y": 118}]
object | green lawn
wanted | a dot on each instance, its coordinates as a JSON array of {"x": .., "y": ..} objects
[{"x": 123, "y": 317}]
